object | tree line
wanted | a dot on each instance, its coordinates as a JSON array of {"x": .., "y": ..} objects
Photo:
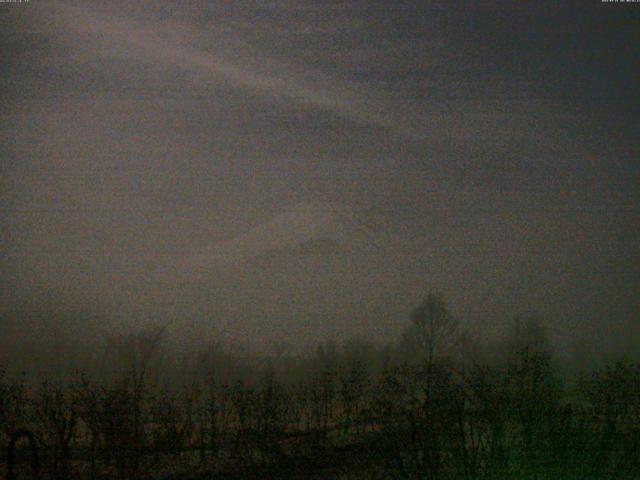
[{"x": 436, "y": 404}]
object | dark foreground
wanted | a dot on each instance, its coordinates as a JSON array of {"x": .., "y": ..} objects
[{"x": 433, "y": 406}]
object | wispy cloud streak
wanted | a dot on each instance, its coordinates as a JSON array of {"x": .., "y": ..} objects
[{"x": 173, "y": 45}]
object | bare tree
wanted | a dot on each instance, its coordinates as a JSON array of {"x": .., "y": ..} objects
[
  {"x": 59, "y": 413},
  {"x": 434, "y": 332},
  {"x": 13, "y": 425},
  {"x": 126, "y": 400}
]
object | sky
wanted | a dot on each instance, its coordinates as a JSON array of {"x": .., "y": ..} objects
[{"x": 492, "y": 145}]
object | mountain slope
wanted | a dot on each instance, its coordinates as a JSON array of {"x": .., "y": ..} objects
[
  {"x": 310, "y": 273},
  {"x": 298, "y": 230}
]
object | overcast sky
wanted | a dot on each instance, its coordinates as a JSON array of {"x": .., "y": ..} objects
[{"x": 493, "y": 143}]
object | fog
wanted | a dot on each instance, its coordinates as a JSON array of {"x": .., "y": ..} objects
[{"x": 283, "y": 172}]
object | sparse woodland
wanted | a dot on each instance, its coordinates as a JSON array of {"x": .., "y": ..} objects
[{"x": 434, "y": 405}]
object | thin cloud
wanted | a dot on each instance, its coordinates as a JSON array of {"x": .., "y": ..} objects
[{"x": 173, "y": 45}]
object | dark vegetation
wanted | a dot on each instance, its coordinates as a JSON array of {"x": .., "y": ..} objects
[{"x": 434, "y": 405}]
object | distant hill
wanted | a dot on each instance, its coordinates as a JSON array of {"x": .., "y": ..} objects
[
  {"x": 304, "y": 229},
  {"x": 314, "y": 271}
]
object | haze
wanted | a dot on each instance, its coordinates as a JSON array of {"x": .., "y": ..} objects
[{"x": 283, "y": 171}]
